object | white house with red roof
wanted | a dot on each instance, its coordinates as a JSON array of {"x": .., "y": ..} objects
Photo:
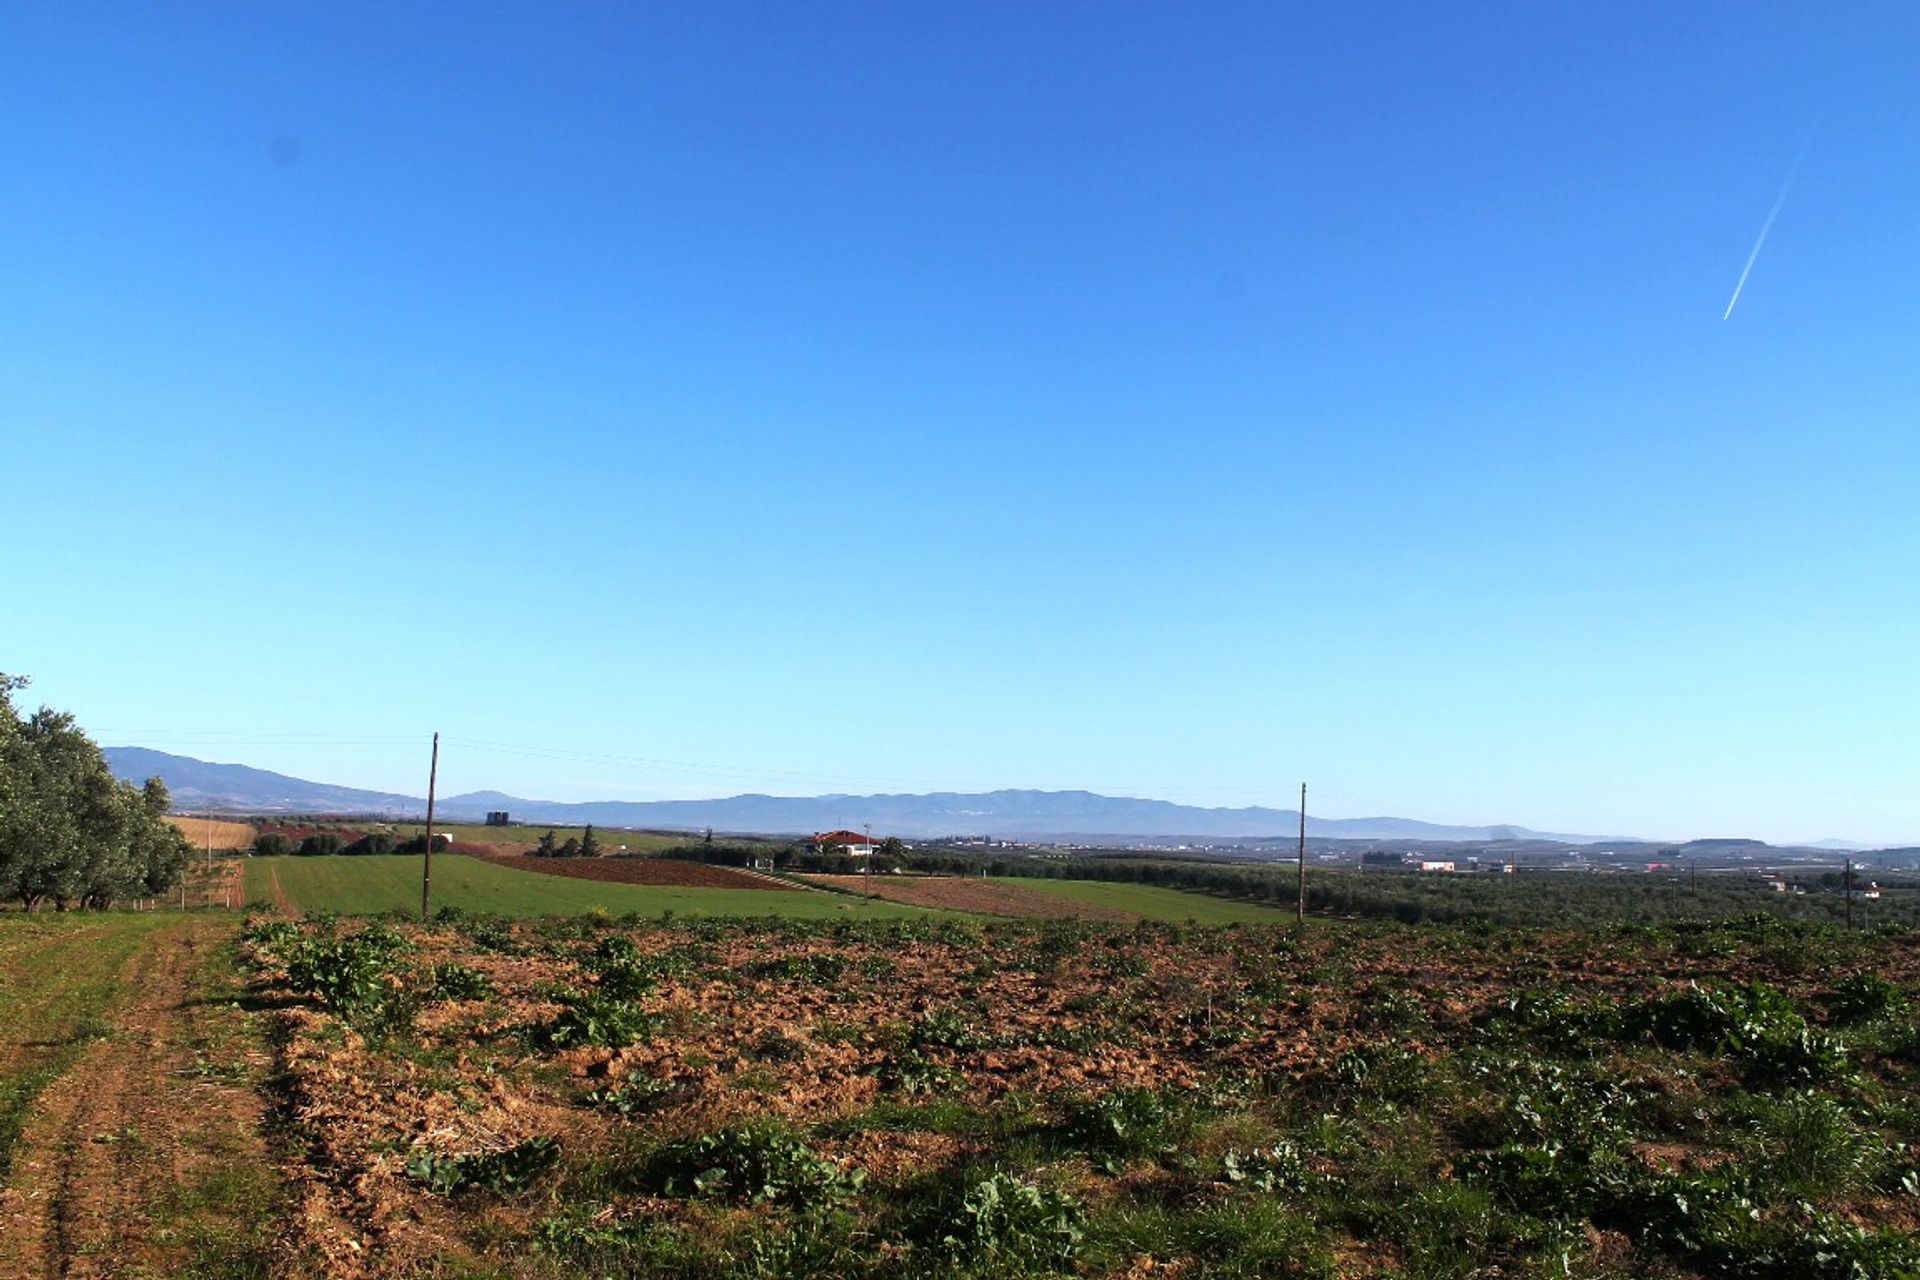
[{"x": 857, "y": 843}]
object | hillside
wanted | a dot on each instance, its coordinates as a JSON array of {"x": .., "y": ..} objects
[{"x": 1056, "y": 815}]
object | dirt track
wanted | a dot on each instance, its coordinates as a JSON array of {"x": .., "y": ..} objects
[
  {"x": 151, "y": 1110},
  {"x": 956, "y": 893}
]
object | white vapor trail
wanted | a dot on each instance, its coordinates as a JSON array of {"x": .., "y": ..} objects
[{"x": 1765, "y": 227}]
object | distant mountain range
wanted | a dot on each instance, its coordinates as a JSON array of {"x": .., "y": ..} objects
[{"x": 1047, "y": 815}]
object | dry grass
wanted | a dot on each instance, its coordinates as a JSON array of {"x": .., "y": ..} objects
[{"x": 224, "y": 834}]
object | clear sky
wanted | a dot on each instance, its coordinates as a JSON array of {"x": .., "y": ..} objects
[{"x": 1174, "y": 400}]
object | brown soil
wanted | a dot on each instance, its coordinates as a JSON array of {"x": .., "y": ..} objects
[
  {"x": 137, "y": 1117},
  {"x": 956, "y": 893},
  {"x": 667, "y": 871},
  {"x": 224, "y": 885}
]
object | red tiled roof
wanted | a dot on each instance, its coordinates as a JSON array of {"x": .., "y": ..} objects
[{"x": 839, "y": 837}]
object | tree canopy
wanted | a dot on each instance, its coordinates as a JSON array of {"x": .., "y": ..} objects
[{"x": 70, "y": 832}]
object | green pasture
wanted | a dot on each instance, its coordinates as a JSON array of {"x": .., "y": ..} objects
[
  {"x": 375, "y": 884},
  {"x": 1151, "y": 901}
]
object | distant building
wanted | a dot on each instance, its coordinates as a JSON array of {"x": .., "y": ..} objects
[
  {"x": 497, "y": 818},
  {"x": 854, "y": 842},
  {"x": 1436, "y": 866}
]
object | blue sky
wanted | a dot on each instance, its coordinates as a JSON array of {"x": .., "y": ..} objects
[{"x": 1170, "y": 400}]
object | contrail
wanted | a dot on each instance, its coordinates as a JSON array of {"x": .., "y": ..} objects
[{"x": 1767, "y": 226}]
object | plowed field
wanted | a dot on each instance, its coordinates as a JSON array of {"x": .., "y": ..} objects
[
  {"x": 958, "y": 893},
  {"x": 671, "y": 871},
  {"x": 893, "y": 1100}
]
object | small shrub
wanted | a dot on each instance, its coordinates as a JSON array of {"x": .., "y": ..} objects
[
  {"x": 1865, "y": 997},
  {"x": 453, "y": 981},
  {"x": 514, "y": 1169},
  {"x": 1755, "y": 1025},
  {"x": 1808, "y": 1145},
  {"x": 1282, "y": 1167},
  {"x": 946, "y": 1029},
  {"x": 758, "y": 1163},
  {"x": 822, "y": 968},
  {"x": 634, "y": 1096},
  {"x": 1007, "y": 1224},
  {"x": 911, "y": 1072},
  {"x": 591, "y": 1018},
  {"x": 353, "y": 977},
  {"x": 1123, "y": 1123},
  {"x": 491, "y": 933}
]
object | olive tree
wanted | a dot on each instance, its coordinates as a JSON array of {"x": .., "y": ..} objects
[{"x": 71, "y": 833}]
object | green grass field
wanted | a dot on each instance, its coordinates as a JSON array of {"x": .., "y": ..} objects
[
  {"x": 1152, "y": 902},
  {"x": 370, "y": 885}
]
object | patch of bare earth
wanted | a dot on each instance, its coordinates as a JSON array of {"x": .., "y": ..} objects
[
  {"x": 143, "y": 1114},
  {"x": 958, "y": 893},
  {"x": 282, "y": 901}
]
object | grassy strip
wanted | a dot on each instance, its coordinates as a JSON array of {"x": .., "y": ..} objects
[
  {"x": 60, "y": 977},
  {"x": 375, "y": 885},
  {"x": 225, "y": 1214}
]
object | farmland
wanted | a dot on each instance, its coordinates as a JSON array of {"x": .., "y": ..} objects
[
  {"x": 373, "y": 885},
  {"x": 1093, "y": 900},
  {"x": 765, "y": 1097},
  {"x": 519, "y": 838},
  {"x": 1152, "y": 902},
  {"x": 132, "y": 1101},
  {"x": 562, "y": 1076},
  {"x": 479, "y": 835},
  {"x": 218, "y": 833}
]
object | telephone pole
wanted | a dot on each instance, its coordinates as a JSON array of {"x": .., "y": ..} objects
[
  {"x": 1300, "y": 910},
  {"x": 1848, "y": 885},
  {"x": 426, "y": 863}
]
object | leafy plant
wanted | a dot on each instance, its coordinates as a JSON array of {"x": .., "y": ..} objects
[
  {"x": 353, "y": 976},
  {"x": 1756, "y": 1025},
  {"x": 513, "y": 1169},
  {"x": 1123, "y": 1123},
  {"x": 591, "y": 1018},
  {"x": 455, "y": 981},
  {"x": 633, "y": 1096},
  {"x": 1010, "y": 1224},
  {"x": 911, "y": 1072},
  {"x": 760, "y": 1163},
  {"x": 1866, "y": 997},
  {"x": 1282, "y": 1167}
]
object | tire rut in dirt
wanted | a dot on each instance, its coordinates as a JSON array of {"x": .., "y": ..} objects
[{"x": 111, "y": 1135}]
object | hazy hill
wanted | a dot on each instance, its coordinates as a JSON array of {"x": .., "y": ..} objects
[
  {"x": 198, "y": 784},
  {"x": 237, "y": 788}
]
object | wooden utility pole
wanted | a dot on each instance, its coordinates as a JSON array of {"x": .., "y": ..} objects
[
  {"x": 1847, "y": 884},
  {"x": 426, "y": 863},
  {"x": 1300, "y": 910}
]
